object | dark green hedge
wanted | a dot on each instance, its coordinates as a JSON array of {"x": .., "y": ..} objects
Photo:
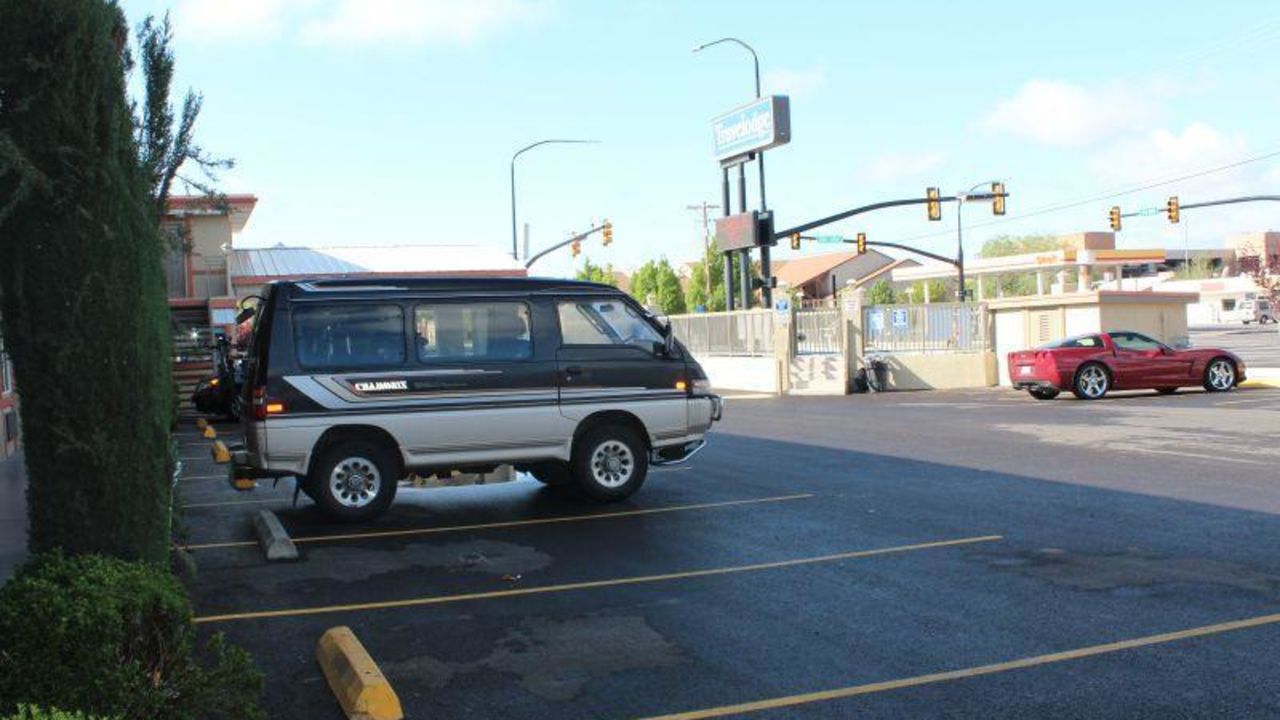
[
  {"x": 115, "y": 638},
  {"x": 27, "y": 712},
  {"x": 82, "y": 292}
]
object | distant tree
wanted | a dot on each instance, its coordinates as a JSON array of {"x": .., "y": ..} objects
[
  {"x": 712, "y": 263},
  {"x": 1199, "y": 268},
  {"x": 882, "y": 293},
  {"x": 594, "y": 273},
  {"x": 165, "y": 148},
  {"x": 1015, "y": 284},
  {"x": 1004, "y": 245},
  {"x": 670, "y": 294},
  {"x": 938, "y": 292},
  {"x": 657, "y": 286}
]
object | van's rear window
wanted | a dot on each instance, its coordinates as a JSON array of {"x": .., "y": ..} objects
[{"x": 349, "y": 336}]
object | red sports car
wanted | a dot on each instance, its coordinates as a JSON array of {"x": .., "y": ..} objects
[{"x": 1091, "y": 365}]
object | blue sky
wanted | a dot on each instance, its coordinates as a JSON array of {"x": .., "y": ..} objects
[{"x": 393, "y": 121}]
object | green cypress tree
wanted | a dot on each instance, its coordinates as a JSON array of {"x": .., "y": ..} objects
[{"x": 82, "y": 292}]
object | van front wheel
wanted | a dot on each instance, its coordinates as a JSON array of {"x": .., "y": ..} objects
[
  {"x": 609, "y": 462},
  {"x": 354, "y": 481}
]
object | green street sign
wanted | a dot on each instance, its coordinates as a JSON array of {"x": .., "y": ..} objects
[
  {"x": 1150, "y": 211},
  {"x": 828, "y": 239}
]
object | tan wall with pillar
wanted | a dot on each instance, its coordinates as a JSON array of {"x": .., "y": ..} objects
[{"x": 941, "y": 371}]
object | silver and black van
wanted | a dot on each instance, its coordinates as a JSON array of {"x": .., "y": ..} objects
[{"x": 352, "y": 385}]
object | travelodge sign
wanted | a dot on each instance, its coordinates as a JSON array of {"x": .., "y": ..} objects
[{"x": 764, "y": 123}]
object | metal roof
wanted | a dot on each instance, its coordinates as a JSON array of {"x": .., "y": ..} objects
[{"x": 281, "y": 262}]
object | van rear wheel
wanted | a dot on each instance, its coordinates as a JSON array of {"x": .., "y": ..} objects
[
  {"x": 609, "y": 462},
  {"x": 354, "y": 481}
]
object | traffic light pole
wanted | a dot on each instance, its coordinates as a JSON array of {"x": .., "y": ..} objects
[{"x": 572, "y": 239}]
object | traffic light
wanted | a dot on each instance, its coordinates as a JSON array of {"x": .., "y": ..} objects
[
  {"x": 576, "y": 247},
  {"x": 997, "y": 204},
  {"x": 862, "y": 243},
  {"x": 1172, "y": 209},
  {"x": 795, "y": 241},
  {"x": 935, "y": 204},
  {"x": 608, "y": 232},
  {"x": 1115, "y": 218}
]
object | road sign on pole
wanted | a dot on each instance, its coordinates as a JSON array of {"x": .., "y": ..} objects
[{"x": 828, "y": 239}]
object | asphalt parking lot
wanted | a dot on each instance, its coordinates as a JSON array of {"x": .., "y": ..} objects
[
  {"x": 941, "y": 554},
  {"x": 1257, "y": 345}
]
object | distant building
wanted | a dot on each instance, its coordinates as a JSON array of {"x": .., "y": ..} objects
[{"x": 820, "y": 277}]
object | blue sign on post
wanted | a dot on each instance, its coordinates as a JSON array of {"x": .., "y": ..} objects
[{"x": 763, "y": 124}]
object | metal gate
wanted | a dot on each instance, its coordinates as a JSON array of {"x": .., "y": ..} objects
[{"x": 818, "y": 331}]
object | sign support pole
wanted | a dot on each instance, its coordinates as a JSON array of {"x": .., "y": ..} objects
[
  {"x": 728, "y": 256},
  {"x": 744, "y": 269}
]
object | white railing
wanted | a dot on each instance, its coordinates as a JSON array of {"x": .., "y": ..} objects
[
  {"x": 936, "y": 327},
  {"x": 740, "y": 332}
]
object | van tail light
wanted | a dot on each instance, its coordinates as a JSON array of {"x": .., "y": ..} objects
[{"x": 264, "y": 406}]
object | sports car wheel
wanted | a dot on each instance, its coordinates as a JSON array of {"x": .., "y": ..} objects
[
  {"x": 1092, "y": 382},
  {"x": 1219, "y": 375}
]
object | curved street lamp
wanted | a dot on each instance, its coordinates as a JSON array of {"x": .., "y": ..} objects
[
  {"x": 515, "y": 252},
  {"x": 960, "y": 201},
  {"x": 764, "y": 251}
]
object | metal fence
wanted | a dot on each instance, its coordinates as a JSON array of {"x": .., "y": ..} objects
[
  {"x": 741, "y": 332},
  {"x": 936, "y": 327},
  {"x": 818, "y": 331}
]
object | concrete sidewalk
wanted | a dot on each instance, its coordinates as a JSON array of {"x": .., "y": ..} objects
[{"x": 13, "y": 515}]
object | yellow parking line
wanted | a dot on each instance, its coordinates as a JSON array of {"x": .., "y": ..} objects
[
  {"x": 590, "y": 584},
  {"x": 870, "y": 688},
  {"x": 514, "y": 523}
]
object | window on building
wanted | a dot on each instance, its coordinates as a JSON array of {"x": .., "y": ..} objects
[
  {"x": 475, "y": 332},
  {"x": 605, "y": 322},
  {"x": 349, "y": 336}
]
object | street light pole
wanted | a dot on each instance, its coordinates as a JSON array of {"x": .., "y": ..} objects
[
  {"x": 515, "y": 253},
  {"x": 766, "y": 270},
  {"x": 960, "y": 201}
]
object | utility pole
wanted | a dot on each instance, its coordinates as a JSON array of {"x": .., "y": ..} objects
[{"x": 705, "y": 209}]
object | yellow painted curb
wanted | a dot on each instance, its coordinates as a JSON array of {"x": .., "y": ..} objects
[
  {"x": 220, "y": 452},
  {"x": 354, "y": 677},
  {"x": 1263, "y": 382},
  {"x": 209, "y": 432},
  {"x": 202, "y": 423}
]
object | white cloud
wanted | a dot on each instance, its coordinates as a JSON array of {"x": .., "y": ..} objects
[
  {"x": 902, "y": 165},
  {"x": 219, "y": 20},
  {"x": 1165, "y": 154},
  {"x": 361, "y": 22},
  {"x": 1061, "y": 113},
  {"x": 794, "y": 82},
  {"x": 1162, "y": 153},
  {"x": 354, "y": 22}
]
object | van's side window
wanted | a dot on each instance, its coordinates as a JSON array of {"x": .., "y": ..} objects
[
  {"x": 605, "y": 322},
  {"x": 475, "y": 332},
  {"x": 349, "y": 336}
]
